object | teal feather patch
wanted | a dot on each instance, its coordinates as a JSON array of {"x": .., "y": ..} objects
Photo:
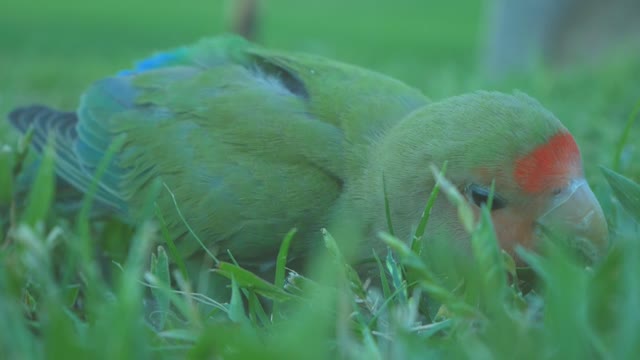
[
  {"x": 156, "y": 61},
  {"x": 60, "y": 127}
]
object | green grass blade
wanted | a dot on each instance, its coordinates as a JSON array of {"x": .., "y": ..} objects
[
  {"x": 186, "y": 224},
  {"x": 247, "y": 279},
  {"x": 160, "y": 270},
  {"x": 7, "y": 161},
  {"x": 42, "y": 190},
  {"x": 171, "y": 245},
  {"x": 384, "y": 282},
  {"x": 627, "y": 192},
  {"x": 416, "y": 242},
  {"x": 236, "y": 305},
  {"x": 633, "y": 117},
  {"x": 387, "y": 206},
  {"x": 281, "y": 263}
]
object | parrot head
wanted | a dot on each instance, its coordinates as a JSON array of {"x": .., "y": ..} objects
[{"x": 490, "y": 137}]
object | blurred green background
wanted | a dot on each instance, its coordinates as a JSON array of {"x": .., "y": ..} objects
[{"x": 59, "y": 48}]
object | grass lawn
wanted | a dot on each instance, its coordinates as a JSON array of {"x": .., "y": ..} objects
[{"x": 55, "y": 302}]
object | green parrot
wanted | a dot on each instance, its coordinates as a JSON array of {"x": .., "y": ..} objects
[{"x": 250, "y": 143}]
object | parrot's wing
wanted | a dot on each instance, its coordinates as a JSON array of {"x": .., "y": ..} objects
[{"x": 362, "y": 103}]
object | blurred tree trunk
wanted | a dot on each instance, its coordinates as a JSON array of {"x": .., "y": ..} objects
[{"x": 244, "y": 19}]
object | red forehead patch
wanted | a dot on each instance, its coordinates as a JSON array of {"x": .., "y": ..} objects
[{"x": 549, "y": 165}]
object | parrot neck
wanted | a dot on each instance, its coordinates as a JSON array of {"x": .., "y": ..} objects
[{"x": 395, "y": 177}]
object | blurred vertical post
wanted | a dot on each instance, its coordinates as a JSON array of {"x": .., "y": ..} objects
[
  {"x": 558, "y": 33},
  {"x": 244, "y": 18}
]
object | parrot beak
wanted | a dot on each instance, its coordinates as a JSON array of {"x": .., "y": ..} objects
[{"x": 576, "y": 214}]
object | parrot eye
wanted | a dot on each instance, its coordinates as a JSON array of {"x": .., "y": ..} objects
[{"x": 480, "y": 196}]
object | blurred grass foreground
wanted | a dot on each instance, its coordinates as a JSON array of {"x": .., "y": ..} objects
[{"x": 79, "y": 288}]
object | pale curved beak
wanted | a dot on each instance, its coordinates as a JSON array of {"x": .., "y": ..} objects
[{"x": 577, "y": 216}]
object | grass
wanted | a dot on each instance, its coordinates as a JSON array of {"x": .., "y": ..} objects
[{"x": 59, "y": 297}]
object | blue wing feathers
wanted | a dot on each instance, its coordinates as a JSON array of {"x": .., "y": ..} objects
[
  {"x": 206, "y": 53},
  {"x": 60, "y": 127},
  {"x": 156, "y": 61}
]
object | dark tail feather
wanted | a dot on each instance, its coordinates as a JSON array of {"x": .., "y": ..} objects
[
  {"x": 44, "y": 121},
  {"x": 47, "y": 122}
]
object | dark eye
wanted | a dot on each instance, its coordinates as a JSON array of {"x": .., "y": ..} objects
[{"x": 480, "y": 196}]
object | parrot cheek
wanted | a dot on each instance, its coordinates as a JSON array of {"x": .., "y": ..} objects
[{"x": 513, "y": 229}]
